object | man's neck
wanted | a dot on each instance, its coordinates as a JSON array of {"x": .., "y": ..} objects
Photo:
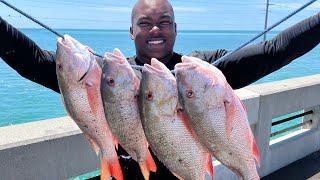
[{"x": 146, "y": 60}]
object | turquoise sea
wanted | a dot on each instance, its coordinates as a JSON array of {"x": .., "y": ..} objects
[{"x": 24, "y": 101}]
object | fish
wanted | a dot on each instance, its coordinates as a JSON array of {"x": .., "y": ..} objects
[
  {"x": 79, "y": 78},
  {"x": 217, "y": 116},
  {"x": 120, "y": 89},
  {"x": 166, "y": 126}
]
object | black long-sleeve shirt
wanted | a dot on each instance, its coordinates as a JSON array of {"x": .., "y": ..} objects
[{"x": 241, "y": 68}]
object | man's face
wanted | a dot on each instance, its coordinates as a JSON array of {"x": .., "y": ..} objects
[{"x": 153, "y": 30}]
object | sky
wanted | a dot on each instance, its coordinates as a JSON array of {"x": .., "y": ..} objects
[{"x": 190, "y": 14}]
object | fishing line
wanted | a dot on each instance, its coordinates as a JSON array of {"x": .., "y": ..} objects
[
  {"x": 137, "y": 67},
  {"x": 265, "y": 31},
  {"x": 40, "y": 23},
  {"x": 140, "y": 67}
]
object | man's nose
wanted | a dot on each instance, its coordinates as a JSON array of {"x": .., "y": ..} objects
[{"x": 155, "y": 30}]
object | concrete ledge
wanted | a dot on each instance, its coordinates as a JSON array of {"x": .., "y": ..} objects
[
  {"x": 251, "y": 100},
  {"x": 58, "y": 158},
  {"x": 28, "y": 133}
]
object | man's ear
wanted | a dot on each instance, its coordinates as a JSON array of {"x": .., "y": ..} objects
[
  {"x": 175, "y": 27},
  {"x": 131, "y": 33}
]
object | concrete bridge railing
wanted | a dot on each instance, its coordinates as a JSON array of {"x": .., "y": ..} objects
[{"x": 56, "y": 148}]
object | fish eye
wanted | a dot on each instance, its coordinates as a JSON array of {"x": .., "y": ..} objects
[
  {"x": 110, "y": 81},
  {"x": 60, "y": 67},
  {"x": 190, "y": 93},
  {"x": 149, "y": 96}
]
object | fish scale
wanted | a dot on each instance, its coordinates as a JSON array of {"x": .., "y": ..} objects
[
  {"x": 217, "y": 116},
  {"x": 166, "y": 126},
  {"x": 79, "y": 78},
  {"x": 119, "y": 89}
]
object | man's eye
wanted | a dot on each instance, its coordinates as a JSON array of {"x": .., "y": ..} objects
[
  {"x": 165, "y": 22},
  {"x": 144, "y": 24}
]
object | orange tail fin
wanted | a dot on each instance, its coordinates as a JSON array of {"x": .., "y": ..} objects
[
  {"x": 110, "y": 169},
  {"x": 147, "y": 166},
  {"x": 210, "y": 166}
]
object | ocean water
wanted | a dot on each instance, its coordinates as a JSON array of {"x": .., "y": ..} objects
[{"x": 24, "y": 101}]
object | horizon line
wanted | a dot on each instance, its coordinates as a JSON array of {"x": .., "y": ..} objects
[{"x": 123, "y": 30}]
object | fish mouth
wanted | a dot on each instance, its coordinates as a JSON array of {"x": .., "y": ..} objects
[
  {"x": 78, "y": 54},
  {"x": 85, "y": 74},
  {"x": 114, "y": 58},
  {"x": 156, "y": 67},
  {"x": 72, "y": 45},
  {"x": 180, "y": 67},
  {"x": 62, "y": 43},
  {"x": 159, "y": 65},
  {"x": 150, "y": 69}
]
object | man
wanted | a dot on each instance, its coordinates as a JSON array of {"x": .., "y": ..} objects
[{"x": 154, "y": 31}]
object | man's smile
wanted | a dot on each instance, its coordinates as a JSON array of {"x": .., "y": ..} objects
[{"x": 155, "y": 41}]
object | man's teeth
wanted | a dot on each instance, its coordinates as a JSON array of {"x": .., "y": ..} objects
[{"x": 156, "y": 42}]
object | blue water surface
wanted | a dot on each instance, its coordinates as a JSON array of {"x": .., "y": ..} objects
[{"x": 25, "y": 101}]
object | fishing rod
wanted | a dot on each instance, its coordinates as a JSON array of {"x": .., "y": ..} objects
[
  {"x": 265, "y": 31},
  {"x": 50, "y": 29},
  {"x": 140, "y": 67}
]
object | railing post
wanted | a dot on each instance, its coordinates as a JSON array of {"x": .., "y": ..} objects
[
  {"x": 315, "y": 117},
  {"x": 262, "y": 134}
]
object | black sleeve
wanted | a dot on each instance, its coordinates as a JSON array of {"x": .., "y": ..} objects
[
  {"x": 24, "y": 56},
  {"x": 256, "y": 61}
]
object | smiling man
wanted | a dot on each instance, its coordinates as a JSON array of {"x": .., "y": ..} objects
[{"x": 154, "y": 32}]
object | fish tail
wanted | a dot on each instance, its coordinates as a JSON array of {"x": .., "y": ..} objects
[
  {"x": 209, "y": 166},
  {"x": 147, "y": 166},
  {"x": 110, "y": 169}
]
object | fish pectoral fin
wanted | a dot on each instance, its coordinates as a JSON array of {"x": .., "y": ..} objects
[
  {"x": 147, "y": 166},
  {"x": 116, "y": 142},
  {"x": 110, "y": 168},
  {"x": 209, "y": 166},
  {"x": 176, "y": 175},
  {"x": 150, "y": 162},
  {"x": 255, "y": 149},
  {"x": 144, "y": 170},
  {"x": 230, "y": 117},
  {"x": 93, "y": 144}
]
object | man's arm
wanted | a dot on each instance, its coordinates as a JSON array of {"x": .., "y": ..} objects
[
  {"x": 256, "y": 61},
  {"x": 24, "y": 56}
]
